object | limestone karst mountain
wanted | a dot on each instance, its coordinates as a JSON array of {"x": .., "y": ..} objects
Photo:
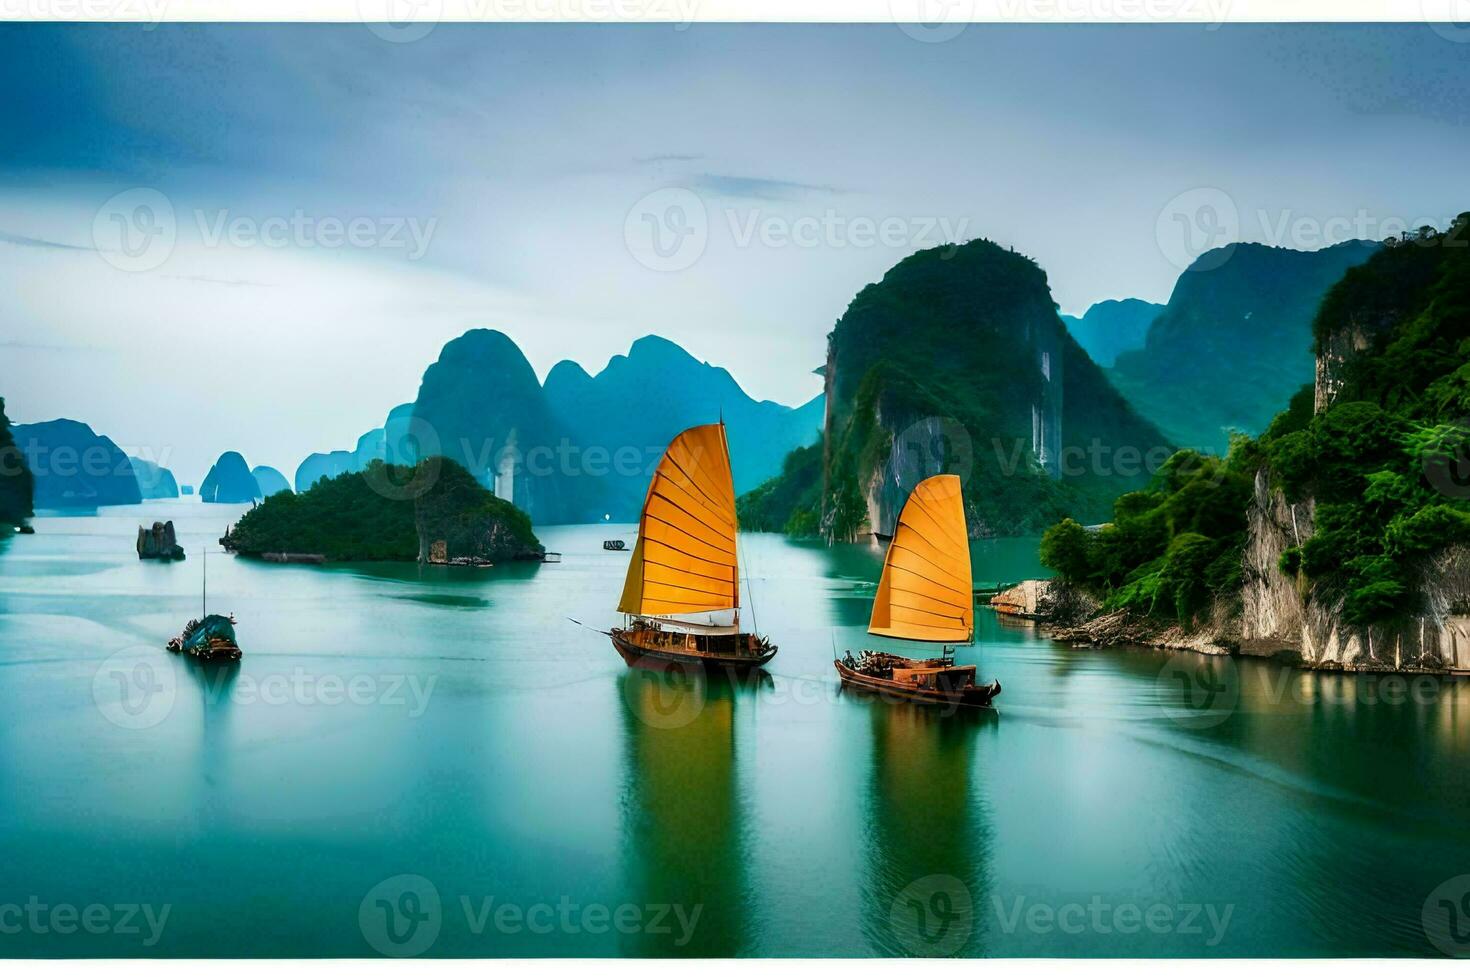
[
  {"x": 229, "y": 481},
  {"x": 155, "y": 482},
  {"x": 579, "y": 447},
  {"x": 1112, "y": 326},
  {"x": 1234, "y": 342},
  {"x": 269, "y": 480},
  {"x": 957, "y": 362},
  {"x": 74, "y": 466}
]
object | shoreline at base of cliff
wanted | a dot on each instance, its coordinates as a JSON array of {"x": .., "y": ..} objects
[{"x": 1066, "y": 614}]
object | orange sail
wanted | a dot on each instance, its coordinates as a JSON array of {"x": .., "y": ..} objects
[
  {"x": 926, "y": 592},
  {"x": 684, "y": 561}
]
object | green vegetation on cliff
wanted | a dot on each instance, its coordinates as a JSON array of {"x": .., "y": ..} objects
[
  {"x": 957, "y": 362},
  {"x": 1234, "y": 342},
  {"x": 1386, "y": 462},
  {"x": 790, "y": 502},
  {"x": 1170, "y": 549},
  {"x": 16, "y": 484},
  {"x": 385, "y": 513}
]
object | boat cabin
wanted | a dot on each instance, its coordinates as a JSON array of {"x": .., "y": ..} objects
[{"x": 950, "y": 678}]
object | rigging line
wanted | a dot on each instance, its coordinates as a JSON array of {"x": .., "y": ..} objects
[
  {"x": 916, "y": 533},
  {"x": 933, "y": 517},
  {"x": 690, "y": 554},
  {"x": 726, "y": 534},
  {"x": 918, "y": 574},
  {"x": 718, "y": 505}
]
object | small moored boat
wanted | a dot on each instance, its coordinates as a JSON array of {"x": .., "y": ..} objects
[
  {"x": 926, "y": 594},
  {"x": 614, "y": 544},
  {"x": 682, "y": 593},
  {"x": 210, "y": 638}
]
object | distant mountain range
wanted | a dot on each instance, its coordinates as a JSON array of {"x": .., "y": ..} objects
[
  {"x": 580, "y": 447},
  {"x": 1111, "y": 327},
  {"x": 1234, "y": 342}
]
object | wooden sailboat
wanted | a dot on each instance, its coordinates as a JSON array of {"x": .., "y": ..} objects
[
  {"x": 684, "y": 573},
  {"x": 925, "y": 594},
  {"x": 211, "y": 637}
]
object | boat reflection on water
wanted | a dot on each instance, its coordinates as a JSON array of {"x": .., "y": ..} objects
[
  {"x": 927, "y": 833},
  {"x": 684, "y": 839}
]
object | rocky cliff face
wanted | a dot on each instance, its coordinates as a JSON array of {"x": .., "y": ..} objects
[
  {"x": 1280, "y": 613},
  {"x": 956, "y": 362}
]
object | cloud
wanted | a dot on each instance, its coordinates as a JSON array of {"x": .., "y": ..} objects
[
  {"x": 220, "y": 282},
  {"x": 670, "y": 158},
  {"x": 760, "y": 188},
  {"x": 25, "y": 241}
]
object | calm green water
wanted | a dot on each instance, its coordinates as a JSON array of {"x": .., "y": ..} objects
[{"x": 453, "y": 726}]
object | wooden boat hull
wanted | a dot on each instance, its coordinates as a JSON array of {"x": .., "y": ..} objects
[
  {"x": 970, "y": 696},
  {"x": 637, "y": 652}
]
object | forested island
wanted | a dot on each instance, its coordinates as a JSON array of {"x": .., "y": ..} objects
[{"x": 433, "y": 511}]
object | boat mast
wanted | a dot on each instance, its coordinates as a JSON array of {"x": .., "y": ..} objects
[{"x": 204, "y": 585}]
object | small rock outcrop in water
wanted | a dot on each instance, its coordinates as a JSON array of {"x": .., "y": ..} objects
[
  {"x": 159, "y": 542},
  {"x": 229, "y": 482},
  {"x": 154, "y": 482},
  {"x": 75, "y": 467}
]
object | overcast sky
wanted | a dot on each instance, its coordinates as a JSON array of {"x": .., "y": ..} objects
[{"x": 257, "y": 238}]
